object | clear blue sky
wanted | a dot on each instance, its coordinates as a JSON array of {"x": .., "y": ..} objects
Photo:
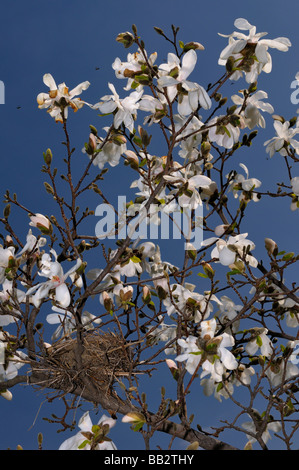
[{"x": 75, "y": 41}]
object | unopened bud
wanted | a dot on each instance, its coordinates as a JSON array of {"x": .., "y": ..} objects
[
  {"x": 127, "y": 39},
  {"x": 271, "y": 246},
  {"x": 132, "y": 159},
  {"x": 108, "y": 304},
  {"x": 92, "y": 142},
  {"x": 193, "y": 45},
  {"x": 205, "y": 148},
  {"x": 6, "y": 394},
  {"x": 209, "y": 271},
  {"x": 48, "y": 157},
  {"x": 230, "y": 64},
  {"x": 146, "y": 297}
]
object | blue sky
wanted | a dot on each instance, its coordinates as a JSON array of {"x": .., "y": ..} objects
[{"x": 75, "y": 41}]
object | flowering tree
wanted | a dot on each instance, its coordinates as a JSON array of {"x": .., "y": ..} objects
[{"x": 220, "y": 320}]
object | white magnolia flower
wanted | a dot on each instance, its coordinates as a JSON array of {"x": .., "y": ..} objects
[
  {"x": 188, "y": 303},
  {"x": 285, "y": 136},
  {"x": 211, "y": 351},
  {"x": 126, "y": 108},
  {"x": 41, "y": 222},
  {"x": 225, "y": 135},
  {"x": 244, "y": 183},
  {"x": 231, "y": 250},
  {"x": 15, "y": 361},
  {"x": 174, "y": 74},
  {"x": 59, "y": 99},
  {"x": 191, "y": 197},
  {"x": 250, "y": 51},
  {"x": 85, "y": 425},
  {"x": 7, "y": 256},
  {"x": 32, "y": 244},
  {"x": 274, "y": 426},
  {"x": 11, "y": 297},
  {"x": 280, "y": 372},
  {"x": 228, "y": 310},
  {"x": 54, "y": 271},
  {"x": 191, "y": 353},
  {"x": 133, "y": 66},
  {"x": 251, "y": 113},
  {"x": 106, "y": 151},
  {"x": 67, "y": 322},
  {"x": 191, "y": 136},
  {"x": 295, "y": 185},
  {"x": 260, "y": 341}
]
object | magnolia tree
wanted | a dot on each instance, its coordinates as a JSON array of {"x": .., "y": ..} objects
[{"x": 220, "y": 323}]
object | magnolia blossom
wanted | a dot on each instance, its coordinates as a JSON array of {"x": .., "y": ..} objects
[
  {"x": 295, "y": 189},
  {"x": 274, "y": 426},
  {"x": 7, "y": 256},
  {"x": 285, "y": 136},
  {"x": 32, "y": 244},
  {"x": 133, "y": 66},
  {"x": 279, "y": 372},
  {"x": 188, "y": 303},
  {"x": 244, "y": 183},
  {"x": 126, "y": 108},
  {"x": 251, "y": 113},
  {"x": 9, "y": 363},
  {"x": 260, "y": 341},
  {"x": 190, "y": 197},
  {"x": 250, "y": 52},
  {"x": 41, "y": 222},
  {"x": 191, "y": 136},
  {"x": 174, "y": 74},
  {"x": 233, "y": 249},
  {"x": 106, "y": 150},
  {"x": 10, "y": 297},
  {"x": 67, "y": 322},
  {"x": 223, "y": 133},
  {"x": 59, "y": 99},
  {"x": 54, "y": 271},
  {"x": 210, "y": 351},
  {"x": 165, "y": 333},
  {"x": 228, "y": 310},
  {"x": 85, "y": 425}
]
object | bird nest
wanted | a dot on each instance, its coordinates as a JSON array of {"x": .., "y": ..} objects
[{"x": 102, "y": 357}]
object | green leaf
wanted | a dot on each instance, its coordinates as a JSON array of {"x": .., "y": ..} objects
[
  {"x": 83, "y": 444},
  {"x": 135, "y": 259},
  {"x": 259, "y": 341},
  {"x": 202, "y": 275},
  {"x": 288, "y": 256}
]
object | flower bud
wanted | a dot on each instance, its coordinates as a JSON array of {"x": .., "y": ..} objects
[
  {"x": 92, "y": 142},
  {"x": 6, "y": 394},
  {"x": 146, "y": 297},
  {"x": 132, "y": 159},
  {"x": 230, "y": 64},
  {"x": 41, "y": 222},
  {"x": 193, "y": 45},
  {"x": 271, "y": 246},
  {"x": 127, "y": 39},
  {"x": 108, "y": 304},
  {"x": 209, "y": 271},
  {"x": 48, "y": 157}
]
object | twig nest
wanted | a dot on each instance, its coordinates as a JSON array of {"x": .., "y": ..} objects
[{"x": 102, "y": 356}]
